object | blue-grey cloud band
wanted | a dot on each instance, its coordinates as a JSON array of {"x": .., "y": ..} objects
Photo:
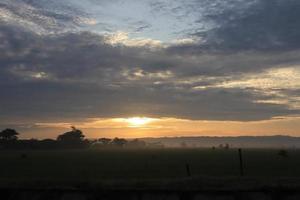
[{"x": 77, "y": 74}]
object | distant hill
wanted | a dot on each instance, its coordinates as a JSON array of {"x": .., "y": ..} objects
[{"x": 277, "y": 141}]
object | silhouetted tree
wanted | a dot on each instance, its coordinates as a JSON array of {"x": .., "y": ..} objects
[
  {"x": 9, "y": 134},
  {"x": 119, "y": 142},
  {"x": 104, "y": 141},
  {"x": 72, "y": 136},
  {"x": 73, "y": 139}
]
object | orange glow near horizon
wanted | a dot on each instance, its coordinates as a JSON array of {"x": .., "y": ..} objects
[
  {"x": 142, "y": 126},
  {"x": 139, "y": 121}
]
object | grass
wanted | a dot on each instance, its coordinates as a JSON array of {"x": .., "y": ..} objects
[{"x": 148, "y": 164}]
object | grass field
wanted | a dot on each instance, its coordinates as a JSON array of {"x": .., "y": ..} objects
[{"x": 97, "y": 165}]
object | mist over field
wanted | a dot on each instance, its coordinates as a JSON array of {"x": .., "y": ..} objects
[{"x": 233, "y": 142}]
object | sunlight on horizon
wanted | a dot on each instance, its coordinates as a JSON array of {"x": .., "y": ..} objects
[{"x": 138, "y": 121}]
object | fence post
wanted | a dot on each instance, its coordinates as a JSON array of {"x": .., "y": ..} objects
[
  {"x": 188, "y": 170},
  {"x": 241, "y": 162}
]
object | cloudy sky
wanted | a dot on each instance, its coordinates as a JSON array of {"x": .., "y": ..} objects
[{"x": 150, "y": 68}]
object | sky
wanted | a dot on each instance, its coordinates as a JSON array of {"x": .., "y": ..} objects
[{"x": 150, "y": 68}]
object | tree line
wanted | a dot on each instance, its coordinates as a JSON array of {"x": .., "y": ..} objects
[{"x": 73, "y": 139}]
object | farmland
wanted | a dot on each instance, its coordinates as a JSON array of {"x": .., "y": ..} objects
[{"x": 143, "y": 164}]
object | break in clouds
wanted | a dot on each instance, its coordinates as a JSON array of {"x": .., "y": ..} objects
[{"x": 234, "y": 60}]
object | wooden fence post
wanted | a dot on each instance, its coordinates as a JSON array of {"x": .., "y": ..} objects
[
  {"x": 241, "y": 162},
  {"x": 188, "y": 170}
]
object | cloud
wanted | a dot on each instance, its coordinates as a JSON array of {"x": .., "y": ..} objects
[
  {"x": 81, "y": 75},
  {"x": 43, "y": 16},
  {"x": 239, "y": 61},
  {"x": 251, "y": 25},
  {"x": 124, "y": 39}
]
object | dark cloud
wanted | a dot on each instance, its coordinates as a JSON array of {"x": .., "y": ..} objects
[
  {"x": 80, "y": 75},
  {"x": 244, "y": 36},
  {"x": 271, "y": 25}
]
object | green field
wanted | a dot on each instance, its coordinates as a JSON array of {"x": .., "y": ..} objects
[{"x": 98, "y": 165}]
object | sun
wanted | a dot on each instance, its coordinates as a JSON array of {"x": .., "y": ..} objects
[{"x": 138, "y": 121}]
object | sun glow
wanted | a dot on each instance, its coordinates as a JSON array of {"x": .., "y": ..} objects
[{"x": 138, "y": 121}]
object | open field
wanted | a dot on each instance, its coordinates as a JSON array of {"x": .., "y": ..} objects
[
  {"x": 145, "y": 164},
  {"x": 149, "y": 174}
]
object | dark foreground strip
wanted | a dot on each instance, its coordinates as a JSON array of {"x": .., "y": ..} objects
[{"x": 110, "y": 194}]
